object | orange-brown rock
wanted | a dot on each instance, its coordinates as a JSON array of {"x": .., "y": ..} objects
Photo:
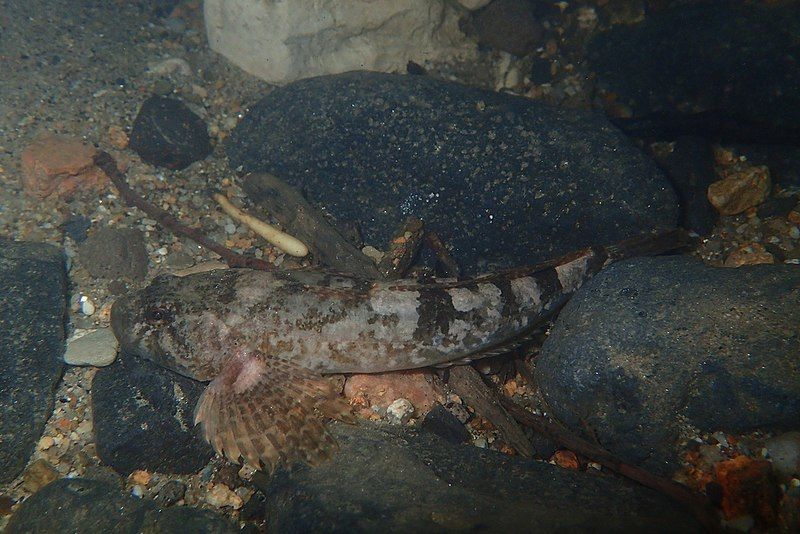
[
  {"x": 60, "y": 165},
  {"x": 748, "y": 487},
  {"x": 740, "y": 189},
  {"x": 566, "y": 459},
  {"x": 382, "y": 389},
  {"x": 749, "y": 254}
]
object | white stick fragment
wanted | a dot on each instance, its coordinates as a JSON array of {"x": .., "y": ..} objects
[{"x": 289, "y": 244}]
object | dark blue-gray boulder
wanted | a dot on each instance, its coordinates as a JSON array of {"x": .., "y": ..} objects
[
  {"x": 33, "y": 315},
  {"x": 144, "y": 418},
  {"x": 726, "y": 72},
  {"x": 397, "y": 480},
  {"x": 502, "y": 179},
  {"x": 653, "y": 347},
  {"x": 86, "y": 506}
]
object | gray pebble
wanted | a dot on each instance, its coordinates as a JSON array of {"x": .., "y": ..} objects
[
  {"x": 98, "y": 348},
  {"x": 784, "y": 451}
]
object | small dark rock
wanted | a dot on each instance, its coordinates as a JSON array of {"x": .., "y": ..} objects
[
  {"x": 415, "y": 69},
  {"x": 396, "y": 480},
  {"x": 33, "y": 285},
  {"x": 143, "y": 418},
  {"x": 444, "y": 424},
  {"x": 255, "y": 508},
  {"x": 104, "y": 473},
  {"x": 540, "y": 71},
  {"x": 690, "y": 168},
  {"x": 777, "y": 207},
  {"x": 76, "y": 227},
  {"x": 652, "y": 344},
  {"x": 166, "y": 133},
  {"x": 82, "y": 505},
  {"x": 170, "y": 493},
  {"x": 508, "y": 25},
  {"x": 115, "y": 253},
  {"x": 117, "y": 287}
]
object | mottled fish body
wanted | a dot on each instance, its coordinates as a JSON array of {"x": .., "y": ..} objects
[{"x": 265, "y": 337}]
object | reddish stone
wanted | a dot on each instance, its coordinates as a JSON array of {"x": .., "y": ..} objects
[
  {"x": 566, "y": 459},
  {"x": 748, "y": 487},
  {"x": 55, "y": 164},
  {"x": 383, "y": 389},
  {"x": 740, "y": 190},
  {"x": 749, "y": 254}
]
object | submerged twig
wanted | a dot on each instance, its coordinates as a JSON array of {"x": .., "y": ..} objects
[
  {"x": 402, "y": 250},
  {"x": 444, "y": 257},
  {"x": 325, "y": 242},
  {"x": 697, "y": 502},
  {"x": 468, "y": 384},
  {"x": 109, "y": 166},
  {"x": 285, "y": 242}
]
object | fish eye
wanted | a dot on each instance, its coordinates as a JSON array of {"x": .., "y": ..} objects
[{"x": 158, "y": 315}]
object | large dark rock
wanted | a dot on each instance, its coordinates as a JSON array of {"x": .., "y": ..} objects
[
  {"x": 143, "y": 418},
  {"x": 737, "y": 63},
  {"x": 168, "y": 134},
  {"x": 653, "y": 344},
  {"x": 33, "y": 297},
  {"x": 504, "y": 180},
  {"x": 394, "y": 480},
  {"x": 690, "y": 168},
  {"x": 82, "y": 505}
]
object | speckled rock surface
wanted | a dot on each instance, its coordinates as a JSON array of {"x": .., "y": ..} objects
[
  {"x": 503, "y": 180},
  {"x": 33, "y": 297},
  {"x": 652, "y": 344},
  {"x": 395, "y": 480},
  {"x": 114, "y": 253},
  {"x": 143, "y": 418},
  {"x": 82, "y": 505}
]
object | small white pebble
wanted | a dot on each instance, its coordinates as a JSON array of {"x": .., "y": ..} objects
[
  {"x": 162, "y": 251},
  {"x": 480, "y": 442},
  {"x": 137, "y": 491},
  {"x": 87, "y": 306},
  {"x": 400, "y": 411}
]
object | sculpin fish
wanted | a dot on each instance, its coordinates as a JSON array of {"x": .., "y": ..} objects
[{"x": 265, "y": 339}]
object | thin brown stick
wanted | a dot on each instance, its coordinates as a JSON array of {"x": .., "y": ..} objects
[
  {"x": 402, "y": 250},
  {"x": 699, "y": 504},
  {"x": 468, "y": 384},
  {"x": 444, "y": 257},
  {"x": 109, "y": 166}
]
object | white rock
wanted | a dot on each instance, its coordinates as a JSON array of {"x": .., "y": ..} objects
[
  {"x": 282, "y": 41},
  {"x": 784, "y": 451},
  {"x": 400, "y": 411},
  {"x": 97, "y": 348},
  {"x": 87, "y": 306},
  {"x": 472, "y": 5},
  {"x": 169, "y": 66}
]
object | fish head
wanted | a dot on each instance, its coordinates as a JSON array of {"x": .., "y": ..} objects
[{"x": 174, "y": 322}]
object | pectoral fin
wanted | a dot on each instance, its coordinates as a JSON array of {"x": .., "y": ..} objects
[{"x": 266, "y": 410}]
